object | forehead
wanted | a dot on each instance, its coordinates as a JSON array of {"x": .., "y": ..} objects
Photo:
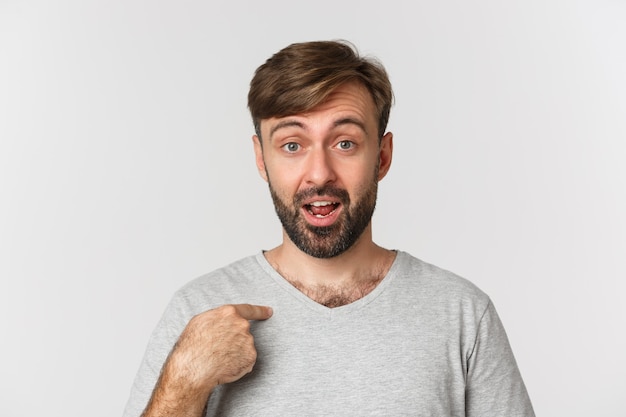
[{"x": 351, "y": 100}]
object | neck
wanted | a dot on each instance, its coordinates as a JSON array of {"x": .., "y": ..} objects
[{"x": 333, "y": 281}]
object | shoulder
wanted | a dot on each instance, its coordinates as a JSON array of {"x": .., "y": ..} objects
[
  {"x": 233, "y": 283},
  {"x": 438, "y": 285},
  {"x": 240, "y": 272},
  {"x": 431, "y": 275}
]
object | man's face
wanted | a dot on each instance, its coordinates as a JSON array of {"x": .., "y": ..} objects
[{"x": 323, "y": 168}]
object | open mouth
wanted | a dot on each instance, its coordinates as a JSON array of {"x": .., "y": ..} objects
[{"x": 321, "y": 209}]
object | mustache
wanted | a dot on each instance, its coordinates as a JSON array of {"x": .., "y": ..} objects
[{"x": 327, "y": 190}]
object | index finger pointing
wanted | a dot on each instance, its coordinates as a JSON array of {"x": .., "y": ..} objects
[{"x": 253, "y": 312}]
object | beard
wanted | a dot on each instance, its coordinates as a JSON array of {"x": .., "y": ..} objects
[{"x": 333, "y": 240}]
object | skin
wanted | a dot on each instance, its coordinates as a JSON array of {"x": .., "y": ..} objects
[
  {"x": 334, "y": 144},
  {"x": 319, "y": 158},
  {"x": 192, "y": 371}
]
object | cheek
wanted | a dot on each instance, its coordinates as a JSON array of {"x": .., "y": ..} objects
[
  {"x": 286, "y": 177},
  {"x": 282, "y": 183},
  {"x": 363, "y": 176}
]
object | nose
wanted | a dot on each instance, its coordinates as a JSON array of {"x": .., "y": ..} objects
[{"x": 320, "y": 170}]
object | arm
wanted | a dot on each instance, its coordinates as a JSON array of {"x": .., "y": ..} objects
[
  {"x": 494, "y": 384},
  {"x": 215, "y": 348}
]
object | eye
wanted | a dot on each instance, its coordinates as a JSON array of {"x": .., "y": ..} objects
[
  {"x": 345, "y": 145},
  {"x": 291, "y": 147}
]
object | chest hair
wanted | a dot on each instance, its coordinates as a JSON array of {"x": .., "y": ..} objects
[
  {"x": 331, "y": 295},
  {"x": 336, "y": 296}
]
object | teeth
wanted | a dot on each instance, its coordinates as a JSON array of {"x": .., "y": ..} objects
[{"x": 321, "y": 203}]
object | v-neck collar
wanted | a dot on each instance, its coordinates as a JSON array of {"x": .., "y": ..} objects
[{"x": 335, "y": 311}]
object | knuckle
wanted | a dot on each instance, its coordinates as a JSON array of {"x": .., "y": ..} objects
[
  {"x": 245, "y": 325},
  {"x": 196, "y": 321},
  {"x": 228, "y": 310}
]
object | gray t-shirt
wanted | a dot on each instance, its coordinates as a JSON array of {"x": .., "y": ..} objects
[{"x": 424, "y": 342}]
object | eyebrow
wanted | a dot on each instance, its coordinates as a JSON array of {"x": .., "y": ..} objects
[
  {"x": 351, "y": 121},
  {"x": 337, "y": 123},
  {"x": 284, "y": 124}
]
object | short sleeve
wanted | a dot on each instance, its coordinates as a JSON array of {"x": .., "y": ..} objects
[
  {"x": 161, "y": 343},
  {"x": 494, "y": 385}
]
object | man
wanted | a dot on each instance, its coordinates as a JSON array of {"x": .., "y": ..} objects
[{"x": 327, "y": 323}]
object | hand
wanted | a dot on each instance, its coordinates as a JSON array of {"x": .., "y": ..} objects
[{"x": 216, "y": 347}]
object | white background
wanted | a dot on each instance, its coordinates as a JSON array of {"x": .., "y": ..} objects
[{"x": 126, "y": 170}]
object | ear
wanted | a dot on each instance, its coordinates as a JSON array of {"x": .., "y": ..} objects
[
  {"x": 385, "y": 155},
  {"x": 258, "y": 154}
]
